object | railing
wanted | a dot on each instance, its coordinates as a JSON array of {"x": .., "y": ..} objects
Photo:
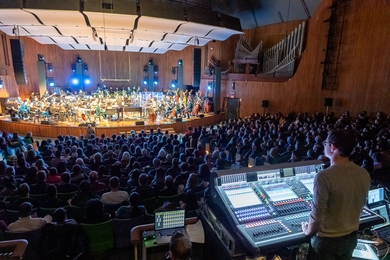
[{"x": 280, "y": 58}]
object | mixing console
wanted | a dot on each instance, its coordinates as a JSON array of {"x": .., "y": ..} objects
[{"x": 268, "y": 212}]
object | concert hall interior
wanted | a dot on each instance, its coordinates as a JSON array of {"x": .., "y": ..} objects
[{"x": 124, "y": 67}]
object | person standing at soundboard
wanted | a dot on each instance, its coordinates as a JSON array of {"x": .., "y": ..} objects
[{"x": 340, "y": 193}]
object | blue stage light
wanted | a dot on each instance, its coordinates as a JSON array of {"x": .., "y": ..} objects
[{"x": 75, "y": 81}]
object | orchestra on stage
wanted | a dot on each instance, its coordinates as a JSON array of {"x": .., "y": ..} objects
[{"x": 109, "y": 104}]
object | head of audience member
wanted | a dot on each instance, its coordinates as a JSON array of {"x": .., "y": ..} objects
[
  {"x": 135, "y": 199},
  {"x": 169, "y": 182},
  {"x": 102, "y": 169},
  {"x": 180, "y": 247},
  {"x": 143, "y": 180},
  {"x": 93, "y": 176},
  {"x": 80, "y": 162},
  {"x": 59, "y": 215},
  {"x": 192, "y": 181},
  {"x": 41, "y": 176},
  {"x": 65, "y": 177},
  {"x": 25, "y": 209},
  {"x": 159, "y": 178},
  {"x": 85, "y": 186},
  {"x": 184, "y": 167},
  {"x": 51, "y": 191},
  {"x": 24, "y": 190},
  {"x": 114, "y": 183},
  {"x": 53, "y": 171}
]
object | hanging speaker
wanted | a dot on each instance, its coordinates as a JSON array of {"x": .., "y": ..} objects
[
  {"x": 197, "y": 68},
  {"x": 264, "y": 103},
  {"x": 328, "y": 102},
  {"x": 17, "y": 61}
]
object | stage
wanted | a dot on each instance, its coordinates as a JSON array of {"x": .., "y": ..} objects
[{"x": 50, "y": 129}]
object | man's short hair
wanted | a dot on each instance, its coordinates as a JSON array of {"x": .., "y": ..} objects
[
  {"x": 344, "y": 140},
  {"x": 180, "y": 246},
  {"x": 25, "y": 209},
  {"x": 23, "y": 190},
  {"x": 114, "y": 182}
]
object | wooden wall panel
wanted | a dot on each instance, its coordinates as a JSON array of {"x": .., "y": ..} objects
[{"x": 363, "y": 79}]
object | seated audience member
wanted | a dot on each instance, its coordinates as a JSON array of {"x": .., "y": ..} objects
[
  {"x": 53, "y": 176},
  {"x": 132, "y": 183},
  {"x": 183, "y": 176},
  {"x": 60, "y": 217},
  {"x": 61, "y": 168},
  {"x": 158, "y": 182},
  {"x": 26, "y": 222},
  {"x": 180, "y": 247},
  {"x": 169, "y": 189},
  {"x": 81, "y": 198},
  {"x": 144, "y": 190},
  {"x": 94, "y": 212},
  {"x": 31, "y": 176},
  {"x": 57, "y": 159},
  {"x": 175, "y": 169},
  {"x": 189, "y": 201},
  {"x": 52, "y": 201},
  {"x": 95, "y": 185},
  {"x": 24, "y": 192},
  {"x": 77, "y": 176},
  {"x": 41, "y": 185},
  {"x": 83, "y": 167},
  {"x": 66, "y": 186},
  {"x": 115, "y": 196},
  {"x": 9, "y": 188},
  {"x": 222, "y": 163},
  {"x": 133, "y": 210},
  {"x": 193, "y": 183},
  {"x": 204, "y": 172}
]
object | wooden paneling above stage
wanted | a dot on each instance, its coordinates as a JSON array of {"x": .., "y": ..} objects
[{"x": 107, "y": 128}]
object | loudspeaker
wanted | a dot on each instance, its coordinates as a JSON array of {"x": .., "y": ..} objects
[
  {"x": 17, "y": 61},
  {"x": 197, "y": 52},
  {"x": 201, "y": 115},
  {"x": 16, "y": 119},
  {"x": 328, "y": 102},
  {"x": 45, "y": 122},
  {"x": 264, "y": 103},
  {"x": 139, "y": 123},
  {"x": 179, "y": 119}
]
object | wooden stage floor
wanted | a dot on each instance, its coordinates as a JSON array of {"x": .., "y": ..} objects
[{"x": 107, "y": 127}]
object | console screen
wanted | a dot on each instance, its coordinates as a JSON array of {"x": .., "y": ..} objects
[
  {"x": 243, "y": 197},
  {"x": 279, "y": 191},
  {"x": 309, "y": 184}
]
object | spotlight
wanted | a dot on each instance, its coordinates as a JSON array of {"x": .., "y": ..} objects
[
  {"x": 145, "y": 69},
  {"x": 85, "y": 67},
  {"x": 155, "y": 69},
  {"x": 87, "y": 80},
  {"x": 50, "y": 82},
  {"x": 75, "y": 81},
  {"x": 209, "y": 85},
  {"x": 155, "y": 82},
  {"x": 180, "y": 62},
  {"x": 174, "y": 83},
  {"x": 50, "y": 67},
  {"x": 1, "y": 83},
  {"x": 145, "y": 82},
  {"x": 150, "y": 62},
  {"x": 78, "y": 59},
  {"x": 73, "y": 67},
  {"x": 40, "y": 57},
  {"x": 173, "y": 70}
]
